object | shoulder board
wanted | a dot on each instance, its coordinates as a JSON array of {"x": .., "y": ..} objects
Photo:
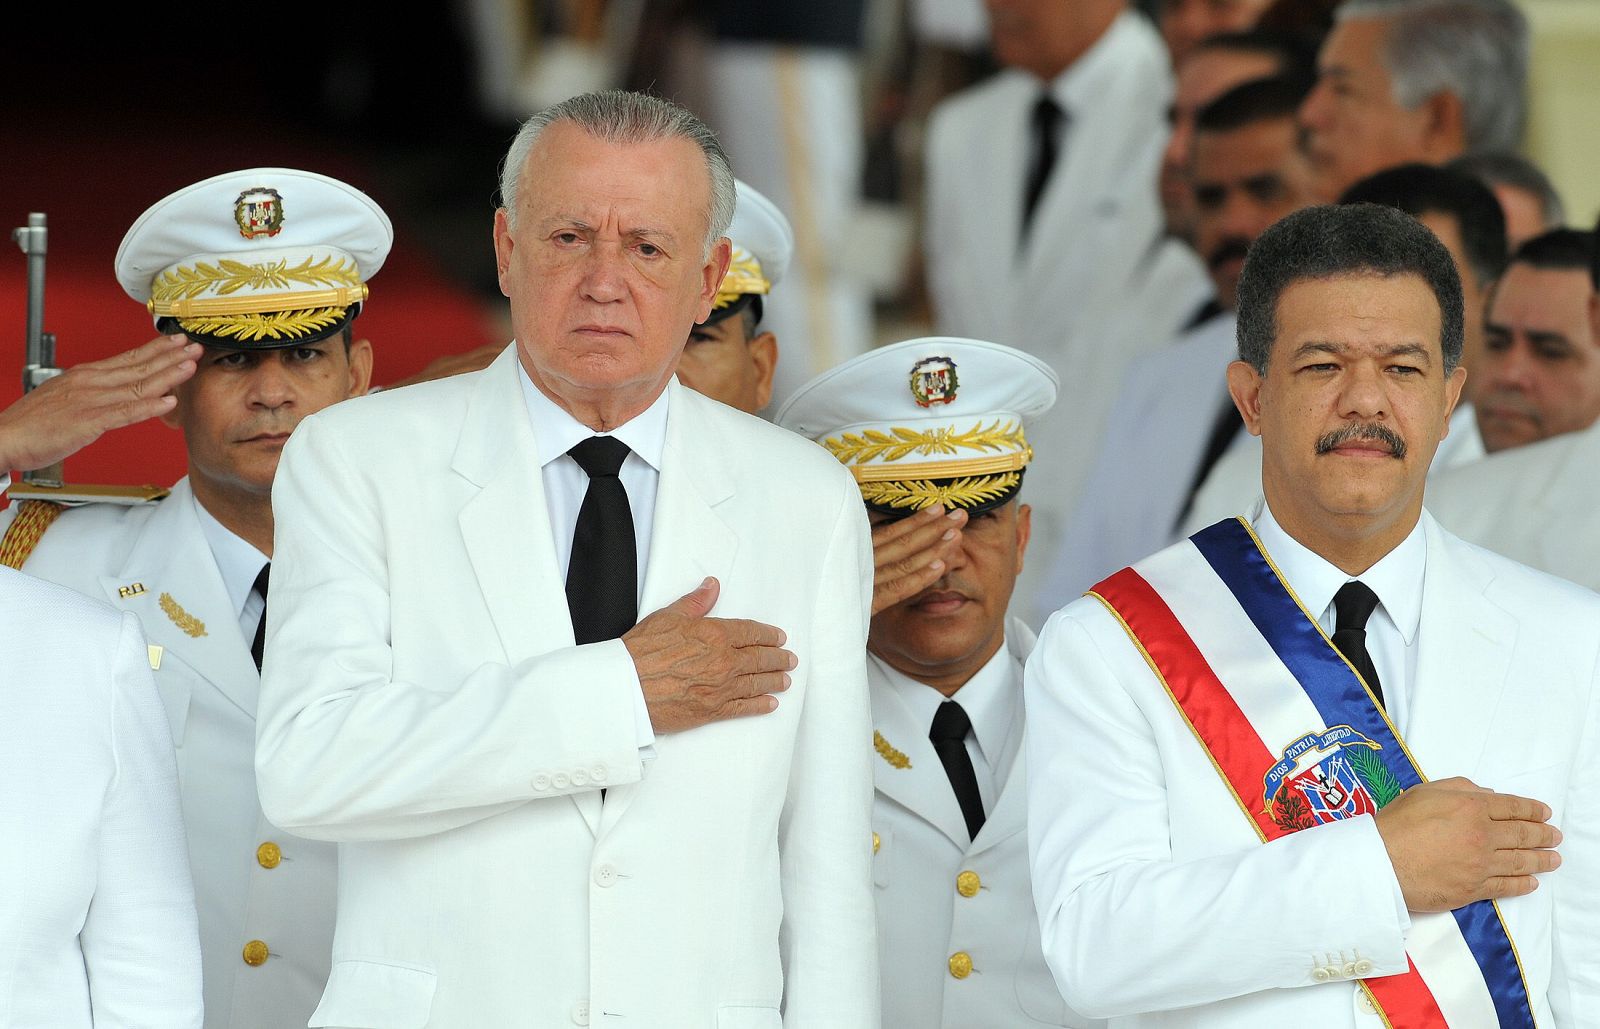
[{"x": 72, "y": 496}]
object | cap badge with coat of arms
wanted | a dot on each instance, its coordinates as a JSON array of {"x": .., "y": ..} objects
[
  {"x": 259, "y": 212},
  {"x": 934, "y": 381}
]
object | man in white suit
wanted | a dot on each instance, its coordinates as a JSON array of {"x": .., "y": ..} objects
[
  {"x": 96, "y": 906},
  {"x": 541, "y": 822},
  {"x": 958, "y": 943},
  {"x": 271, "y": 263},
  {"x": 1172, "y": 418},
  {"x": 1185, "y": 874},
  {"x": 1044, "y": 226}
]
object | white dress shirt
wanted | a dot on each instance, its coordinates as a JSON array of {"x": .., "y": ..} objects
[
  {"x": 1392, "y": 628},
  {"x": 565, "y": 483},
  {"x": 989, "y": 699},
  {"x": 239, "y": 562}
]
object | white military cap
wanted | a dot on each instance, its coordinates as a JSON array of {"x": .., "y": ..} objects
[
  {"x": 937, "y": 420},
  {"x": 763, "y": 243},
  {"x": 256, "y": 259}
]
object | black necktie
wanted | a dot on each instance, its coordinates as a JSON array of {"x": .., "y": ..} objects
[
  {"x": 1047, "y": 119},
  {"x": 602, "y": 578},
  {"x": 258, "y": 644},
  {"x": 949, "y": 736},
  {"x": 1224, "y": 428},
  {"x": 1352, "y": 606}
]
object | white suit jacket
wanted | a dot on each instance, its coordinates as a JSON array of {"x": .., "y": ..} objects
[
  {"x": 425, "y": 706},
  {"x": 97, "y": 924},
  {"x": 921, "y": 848},
  {"x": 1234, "y": 484},
  {"x": 1535, "y": 504},
  {"x": 1160, "y": 907},
  {"x": 154, "y": 561},
  {"x": 1155, "y": 439},
  {"x": 1097, "y": 282}
]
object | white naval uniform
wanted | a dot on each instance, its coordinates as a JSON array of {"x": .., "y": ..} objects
[
  {"x": 1535, "y": 504},
  {"x": 1097, "y": 281},
  {"x": 1234, "y": 484},
  {"x": 155, "y": 561},
  {"x": 924, "y": 864}
]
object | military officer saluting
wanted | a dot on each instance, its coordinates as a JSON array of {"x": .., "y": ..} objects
[
  {"x": 265, "y": 269},
  {"x": 931, "y": 426}
]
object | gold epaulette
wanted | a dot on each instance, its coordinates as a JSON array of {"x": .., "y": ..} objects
[{"x": 39, "y": 506}]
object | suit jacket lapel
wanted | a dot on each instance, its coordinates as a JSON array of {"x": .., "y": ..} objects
[
  {"x": 505, "y": 527},
  {"x": 1010, "y": 814},
  {"x": 184, "y": 607},
  {"x": 1464, "y": 655},
  {"x": 907, "y": 769},
  {"x": 689, "y": 540}
]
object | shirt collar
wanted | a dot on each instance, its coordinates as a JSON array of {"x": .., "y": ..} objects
[
  {"x": 557, "y": 432},
  {"x": 989, "y": 699},
  {"x": 1083, "y": 83},
  {"x": 237, "y": 560},
  {"x": 1396, "y": 578}
]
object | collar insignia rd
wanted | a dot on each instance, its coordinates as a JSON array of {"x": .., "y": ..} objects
[
  {"x": 933, "y": 381},
  {"x": 259, "y": 212}
]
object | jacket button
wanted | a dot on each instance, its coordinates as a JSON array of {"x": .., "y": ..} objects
[
  {"x": 561, "y": 780},
  {"x": 541, "y": 781},
  {"x": 968, "y": 884},
  {"x": 597, "y": 773},
  {"x": 605, "y": 875},
  {"x": 580, "y": 1013},
  {"x": 1363, "y": 968},
  {"x": 876, "y": 843},
  {"x": 580, "y": 777},
  {"x": 1320, "y": 975},
  {"x": 960, "y": 964},
  {"x": 268, "y": 855},
  {"x": 255, "y": 953}
]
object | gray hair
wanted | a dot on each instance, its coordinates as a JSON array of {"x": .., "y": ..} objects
[
  {"x": 618, "y": 116},
  {"x": 1476, "y": 49}
]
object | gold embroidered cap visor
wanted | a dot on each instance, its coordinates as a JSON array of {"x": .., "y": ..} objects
[
  {"x": 936, "y": 420},
  {"x": 256, "y": 259},
  {"x": 763, "y": 244}
]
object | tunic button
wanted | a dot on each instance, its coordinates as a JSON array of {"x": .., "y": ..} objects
[
  {"x": 1363, "y": 967},
  {"x": 876, "y": 843},
  {"x": 968, "y": 884},
  {"x": 960, "y": 964},
  {"x": 255, "y": 953},
  {"x": 268, "y": 855},
  {"x": 605, "y": 875}
]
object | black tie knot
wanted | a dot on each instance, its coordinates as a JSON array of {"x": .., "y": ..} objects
[
  {"x": 950, "y": 723},
  {"x": 1352, "y": 606},
  {"x": 600, "y": 456},
  {"x": 1047, "y": 116},
  {"x": 260, "y": 585}
]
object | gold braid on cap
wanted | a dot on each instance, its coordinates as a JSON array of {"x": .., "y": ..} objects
[
  {"x": 918, "y": 494},
  {"x": 744, "y": 276},
  {"x": 179, "y": 292},
  {"x": 227, "y": 277},
  {"x": 278, "y": 325},
  {"x": 897, "y": 443}
]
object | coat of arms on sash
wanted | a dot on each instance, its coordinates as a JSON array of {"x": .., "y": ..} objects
[
  {"x": 933, "y": 381},
  {"x": 1326, "y": 776},
  {"x": 259, "y": 212}
]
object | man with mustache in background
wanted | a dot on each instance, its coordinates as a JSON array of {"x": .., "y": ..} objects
[{"x": 1173, "y": 418}]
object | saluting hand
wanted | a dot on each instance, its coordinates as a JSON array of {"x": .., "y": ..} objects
[
  {"x": 694, "y": 669},
  {"x": 1453, "y": 842},
  {"x": 910, "y": 554},
  {"x": 67, "y": 413}
]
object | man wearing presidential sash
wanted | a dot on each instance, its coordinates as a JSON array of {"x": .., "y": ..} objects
[{"x": 1308, "y": 767}]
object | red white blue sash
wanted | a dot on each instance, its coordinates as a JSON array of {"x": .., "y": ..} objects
[{"x": 1300, "y": 741}]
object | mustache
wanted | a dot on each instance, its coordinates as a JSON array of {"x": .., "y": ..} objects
[
  {"x": 1364, "y": 432},
  {"x": 1227, "y": 249}
]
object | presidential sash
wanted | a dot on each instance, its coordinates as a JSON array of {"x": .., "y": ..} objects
[{"x": 1300, "y": 741}]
